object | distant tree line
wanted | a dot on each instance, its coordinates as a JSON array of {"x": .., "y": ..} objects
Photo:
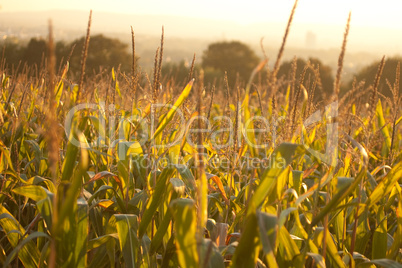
[
  {"x": 234, "y": 58},
  {"x": 103, "y": 52}
]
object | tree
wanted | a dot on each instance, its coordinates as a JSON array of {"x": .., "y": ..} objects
[
  {"x": 326, "y": 77},
  {"x": 12, "y": 52},
  {"x": 368, "y": 74},
  {"x": 35, "y": 52},
  {"x": 177, "y": 71},
  {"x": 102, "y": 52},
  {"x": 233, "y": 57},
  {"x": 31, "y": 54}
]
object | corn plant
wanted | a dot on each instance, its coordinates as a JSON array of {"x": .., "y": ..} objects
[{"x": 278, "y": 183}]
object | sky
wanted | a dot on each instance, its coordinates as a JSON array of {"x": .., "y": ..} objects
[
  {"x": 384, "y": 14},
  {"x": 376, "y": 26}
]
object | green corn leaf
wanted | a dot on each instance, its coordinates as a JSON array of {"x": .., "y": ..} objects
[
  {"x": 106, "y": 174},
  {"x": 333, "y": 251},
  {"x": 104, "y": 188},
  {"x": 155, "y": 200},
  {"x": 315, "y": 254},
  {"x": 287, "y": 245},
  {"x": 36, "y": 180},
  {"x": 45, "y": 207},
  {"x": 282, "y": 156},
  {"x": 178, "y": 188},
  {"x": 382, "y": 126},
  {"x": 126, "y": 226},
  {"x": 160, "y": 233},
  {"x": 185, "y": 226},
  {"x": 203, "y": 200},
  {"x": 363, "y": 232},
  {"x": 117, "y": 88},
  {"x": 319, "y": 260},
  {"x": 170, "y": 254},
  {"x": 338, "y": 197},
  {"x": 212, "y": 256},
  {"x": 385, "y": 185},
  {"x": 398, "y": 121},
  {"x": 111, "y": 243},
  {"x": 70, "y": 159},
  {"x": 268, "y": 228},
  {"x": 24, "y": 242},
  {"x": 394, "y": 249},
  {"x": 101, "y": 240},
  {"x": 28, "y": 254},
  {"x": 282, "y": 180},
  {"x": 5, "y": 160},
  {"x": 246, "y": 252},
  {"x": 178, "y": 185},
  {"x": 74, "y": 187},
  {"x": 58, "y": 92},
  {"x": 99, "y": 126},
  {"x": 284, "y": 215},
  {"x": 34, "y": 146},
  {"x": 386, "y": 263},
  {"x": 249, "y": 128},
  {"x": 34, "y": 192},
  {"x": 380, "y": 237},
  {"x": 100, "y": 258},
  {"x": 44, "y": 254},
  {"x": 81, "y": 234},
  {"x": 187, "y": 176},
  {"x": 73, "y": 96},
  {"x": 247, "y": 115},
  {"x": 183, "y": 96}
]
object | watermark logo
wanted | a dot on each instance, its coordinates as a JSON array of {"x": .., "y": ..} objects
[{"x": 114, "y": 130}]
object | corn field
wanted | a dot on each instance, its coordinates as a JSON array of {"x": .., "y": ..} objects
[{"x": 259, "y": 175}]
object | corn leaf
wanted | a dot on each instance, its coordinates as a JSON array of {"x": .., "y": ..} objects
[
  {"x": 25, "y": 241},
  {"x": 28, "y": 254},
  {"x": 385, "y": 185},
  {"x": 382, "y": 125},
  {"x": 127, "y": 231},
  {"x": 185, "y": 227},
  {"x": 380, "y": 236},
  {"x": 155, "y": 200},
  {"x": 183, "y": 96},
  {"x": 34, "y": 192}
]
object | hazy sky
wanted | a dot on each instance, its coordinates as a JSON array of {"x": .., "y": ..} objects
[
  {"x": 376, "y": 26},
  {"x": 385, "y": 13}
]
